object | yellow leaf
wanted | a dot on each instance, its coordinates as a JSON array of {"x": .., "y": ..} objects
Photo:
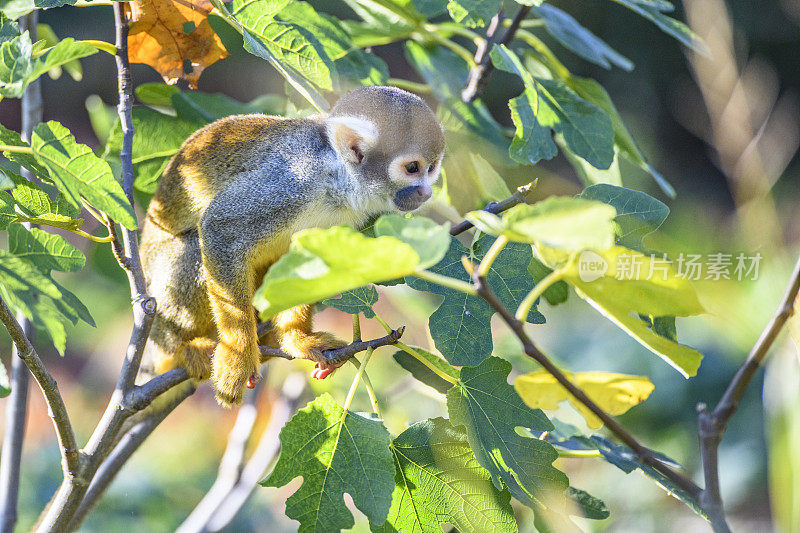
[
  {"x": 173, "y": 37},
  {"x": 614, "y": 393}
]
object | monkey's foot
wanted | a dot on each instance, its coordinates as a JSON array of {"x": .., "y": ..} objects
[
  {"x": 230, "y": 376},
  {"x": 312, "y": 346}
]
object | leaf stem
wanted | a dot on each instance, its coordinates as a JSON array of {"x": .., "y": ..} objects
[
  {"x": 105, "y": 46},
  {"x": 446, "y": 281},
  {"x": 16, "y": 149},
  {"x": 527, "y": 302},
  {"x": 491, "y": 255},
  {"x": 356, "y": 328},
  {"x": 413, "y": 353},
  {"x": 361, "y": 368},
  {"x": 373, "y": 398}
]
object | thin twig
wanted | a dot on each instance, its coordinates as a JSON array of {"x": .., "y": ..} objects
[
  {"x": 519, "y": 197},
  {"x": 17, "y": 403},
  {"x": 479, "y": 75},
  {"x": 712, "y": 425},
  {"x": 643, "y": 454},
  {"x": 340, "y": 355},
  {"x": 70, "y": 457}
]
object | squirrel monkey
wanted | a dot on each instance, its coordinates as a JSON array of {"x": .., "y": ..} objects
[{"x": 229, "y": 202}]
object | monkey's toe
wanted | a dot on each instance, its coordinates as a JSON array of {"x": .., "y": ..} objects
[{"x": 323, "y": 370}]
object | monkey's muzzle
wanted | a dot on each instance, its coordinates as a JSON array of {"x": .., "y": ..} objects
[{"x": 413, "y": 196}]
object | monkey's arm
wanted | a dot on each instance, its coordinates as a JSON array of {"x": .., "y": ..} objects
[{"x": 245, "y": 229}]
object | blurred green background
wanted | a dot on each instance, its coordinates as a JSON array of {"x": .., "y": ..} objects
[{"x": 723, "y": 130}]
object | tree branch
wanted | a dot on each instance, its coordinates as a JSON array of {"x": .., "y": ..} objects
[
  {"x": 341, "y": 355},
  {"x": 712, "y": 425},
  {"x": 70, "y": 456},
  {"x": 479, "y": 75},
  {"x": 519, "y": 197},
  {"x": 643, "y": 454}
]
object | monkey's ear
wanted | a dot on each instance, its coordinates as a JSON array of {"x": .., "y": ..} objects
[{"x": 351, "y": 136}]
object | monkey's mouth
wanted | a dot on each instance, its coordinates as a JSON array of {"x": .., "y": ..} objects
[{"x": 411, "y": 197}]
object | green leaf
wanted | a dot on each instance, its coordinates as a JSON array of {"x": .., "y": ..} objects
[
  {"x": 5, "y": 384},
  {"x": 19, "y": 275},
  {"x": 325, "y": 262},
  {"x": 64, "y": 52},
  {"x": 460, "y": 327},
  {"x": 668, "y": 25},
  {"x": 158, "y": 137},
  {"x": 336, "y": 451},
  {"x": 439, "y": 481},
  {"x": 444, "y": 70},
  {"x": 15, "y": 9},
  {"x": 568, "y": 224},
  {"x": 78, "y": 172},
  {"x": 16, "y": 65},
  {"x": 588, "y": 174},
  {"x": 575, "y": 37},
  {"x": 285, "y": 42},
  {"x": 491, "y": 410},
  {"x": 423, "y": 373},
  {"x": 429, "y": 239},
  {"x": 201, "y": 108},
  {"x": 8, "y": 28},
  {"x": 331, "y": 38},
  {"x": 45, "y": 250},
  {"x": 7, "y": 212},
  {"x": 24, "y": 286},
  {"x": 593, "y": 92},
  {"x": 556, "y": 293},
  {"x": 473, "y": 13},
  {"x": 71, "y": 307},
  {"x": 638, "y": 214},
  {"x": 5, "y": 181},
  {"x": 591, "y": 507},
  {"x": 27, "y": 160},
  {"x": 359, "y": 300},
  {"x": 551, "y": 105},
  {"x": 157, "y": 94}
]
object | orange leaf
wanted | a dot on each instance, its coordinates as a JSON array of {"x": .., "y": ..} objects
[{"x": 174, "y": 37}]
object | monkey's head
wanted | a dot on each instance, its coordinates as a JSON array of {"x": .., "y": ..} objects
[{"x": 391, "y": 142}]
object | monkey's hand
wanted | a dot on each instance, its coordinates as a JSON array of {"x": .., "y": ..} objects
[
  {"x": 312, "y": 346},
  {"x": 233, "y": 369}
]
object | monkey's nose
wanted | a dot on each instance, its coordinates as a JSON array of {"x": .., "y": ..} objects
[
  {"x": 423, "y": 192},
  {"x": 413, "y": 196}
]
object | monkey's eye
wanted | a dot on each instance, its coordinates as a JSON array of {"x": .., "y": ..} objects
[
  {"x": 430, "y": 168},
  {"x": 413, "y": 167}
]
